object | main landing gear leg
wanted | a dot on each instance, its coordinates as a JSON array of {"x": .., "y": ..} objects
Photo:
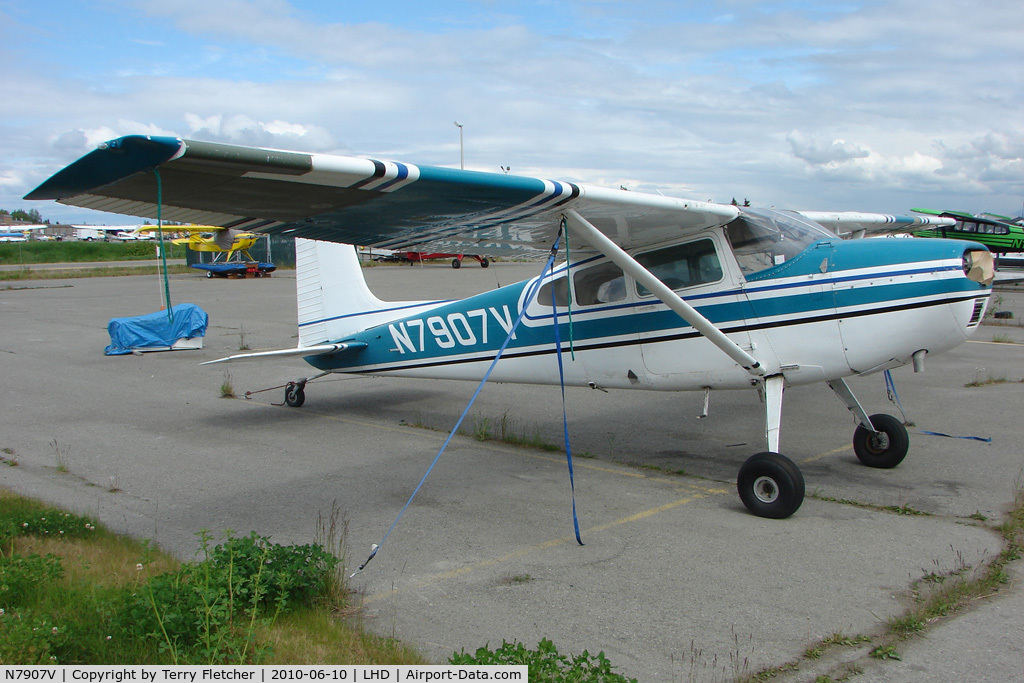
[
  {"x": 880, "y": 440},
  {"x": 770, "y": 484}
]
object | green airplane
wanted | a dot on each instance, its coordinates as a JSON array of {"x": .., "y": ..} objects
[{"x": 1001, "y": 234}]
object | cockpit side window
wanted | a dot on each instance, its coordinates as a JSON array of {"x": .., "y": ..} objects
[
  {"x": 682, "y": 265},
  {"x": 763, "y": 238}
]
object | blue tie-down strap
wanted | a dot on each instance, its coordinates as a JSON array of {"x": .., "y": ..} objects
[
  {"x": 565, "y": 420},
  {"x": 529, "y": 298},
  {"x": 890, "y": 387},
  {"x": 952, "y": 436}
]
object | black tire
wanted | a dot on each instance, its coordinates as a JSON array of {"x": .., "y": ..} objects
[
  {"x": 885, "y": 448},
  {"x": 294, "y": 396},
  {"x": 456, "y": 263},
  {"x": 771, "y": 485},
  {"x": 484, "y": 262},
  {"x": 209, "y": 273}
]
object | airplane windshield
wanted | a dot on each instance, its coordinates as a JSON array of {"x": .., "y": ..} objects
[{"x": 765, "y": 238}]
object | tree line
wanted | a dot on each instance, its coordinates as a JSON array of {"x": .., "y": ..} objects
[{"x": 31, "y": 216}]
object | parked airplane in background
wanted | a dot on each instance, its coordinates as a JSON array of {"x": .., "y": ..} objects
[
  {"x": 1000, "y": 234},
  {"x": 662, "y": 293},
  {"x": 224, "y": 243},
  {"x": 13, "y": 236},
  {"x": 209, "y": 238},
  {"x": 421, "y": 256}
]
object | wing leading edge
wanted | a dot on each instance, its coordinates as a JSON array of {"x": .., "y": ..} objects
[
  {"x": 359, "y": 201},
  {"x": 858, "y": 224}
]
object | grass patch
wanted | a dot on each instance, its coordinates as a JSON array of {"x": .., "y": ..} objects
[
  {"x": 903, "y": 510},
  {"x": 72, "y": 592},
  {"x": 937, "y": 595},
  {"x": 100, "y": 271},
  {"x": 32, "y": 253},
  {"x": 508, "y": 430},
  {"x": 986, "y": 381}
]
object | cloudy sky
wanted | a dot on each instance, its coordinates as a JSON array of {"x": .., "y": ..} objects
[{"x": 820, "y": 105}]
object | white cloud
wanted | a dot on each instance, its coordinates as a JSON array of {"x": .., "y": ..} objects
[
  {"x": 822, "y": 152},
  {"x": 244, "y": 130},
  {"x": 839, "y": 106}
]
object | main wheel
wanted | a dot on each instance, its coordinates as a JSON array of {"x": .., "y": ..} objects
[
  {"x": 456, "y": 263},
  {"x": 771, "y": 485},
  {"x": 885, "y": 448},
  {"x": 484, "y": 262},
  {"x": 294, "y": 395}
]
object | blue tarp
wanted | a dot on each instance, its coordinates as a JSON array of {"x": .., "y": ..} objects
[{"x": 156, "y": 329}]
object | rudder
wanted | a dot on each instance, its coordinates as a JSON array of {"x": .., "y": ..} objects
[{"x": 333, "y": 299}]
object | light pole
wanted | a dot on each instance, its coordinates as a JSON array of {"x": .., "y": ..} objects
[{"x": 462, "y": 149}]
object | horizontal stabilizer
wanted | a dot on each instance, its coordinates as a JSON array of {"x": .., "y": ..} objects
[{"x": 303, "y": 351}]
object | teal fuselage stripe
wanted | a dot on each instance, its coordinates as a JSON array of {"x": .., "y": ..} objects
[{"x": 632, "y": 328}]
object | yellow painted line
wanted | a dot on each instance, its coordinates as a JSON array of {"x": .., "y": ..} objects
[
  {"x": 529, "y": 550},
  {"x": 702, "y": 492},
  {"x": 826, "y": 454},
  {"x": 1010, "y": 343}
]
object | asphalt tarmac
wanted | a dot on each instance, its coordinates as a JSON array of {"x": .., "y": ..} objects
[{"x": 676, "y": 580}]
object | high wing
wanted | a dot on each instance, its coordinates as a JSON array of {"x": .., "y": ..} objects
[
  {"x": 857, "y": 224},
  {"x": 982, "y": 218},
  {"x": 360, "y": 201}
]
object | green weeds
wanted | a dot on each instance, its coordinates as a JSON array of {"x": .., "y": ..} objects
[
  {"x": 987, "y": 381},
  {"x": 227, "y": 389},
  {"x": 545, "y": 663},
  {"x": 61, "y": 456},
  {"x": 902, "y": 510},
  {"x": 73, "y": 593},
  {"x": 507, "y": 430}
]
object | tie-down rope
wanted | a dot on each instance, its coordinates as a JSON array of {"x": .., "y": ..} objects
[{"x": 532, "y": 292}]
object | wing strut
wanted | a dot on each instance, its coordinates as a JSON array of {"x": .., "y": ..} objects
[{"x": 629, "y": 265}]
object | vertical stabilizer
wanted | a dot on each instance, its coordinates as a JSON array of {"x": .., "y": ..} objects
[{"x": 333, "y": 299}]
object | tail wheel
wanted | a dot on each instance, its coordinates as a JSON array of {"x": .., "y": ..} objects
[
  {"x": 771, "y": 485},
  {"x": 294, "y": 395},
  {"x": 884, "y": 448}
]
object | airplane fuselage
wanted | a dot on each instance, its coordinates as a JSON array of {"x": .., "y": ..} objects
[{"x": 835, "y": 309}]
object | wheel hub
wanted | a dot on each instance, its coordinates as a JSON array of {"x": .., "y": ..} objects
[
  {"x": 766, "y": 490},
  {"x": 879, "y": 442}
]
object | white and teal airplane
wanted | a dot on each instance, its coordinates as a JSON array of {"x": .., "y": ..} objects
[{"x": 661, "y": 293}]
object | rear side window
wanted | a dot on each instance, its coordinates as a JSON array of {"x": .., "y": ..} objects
[
  {"x": 561, "y": 289},
  {"x": 600, "y": 284}
]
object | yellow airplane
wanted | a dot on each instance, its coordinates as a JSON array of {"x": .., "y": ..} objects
[
  {"x": 209, "y": 238},
  {"x": 212, "y": 238}
]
